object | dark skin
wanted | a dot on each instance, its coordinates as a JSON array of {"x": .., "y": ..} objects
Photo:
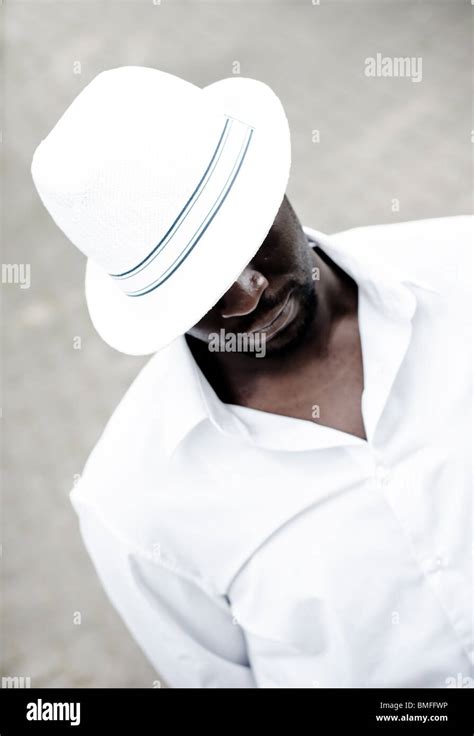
[{"x": 306, "y": 308}]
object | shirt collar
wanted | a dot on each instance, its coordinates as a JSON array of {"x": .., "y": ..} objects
[
  {"x": 371, "y": 270},
  {"x": 189, "y": 399}
]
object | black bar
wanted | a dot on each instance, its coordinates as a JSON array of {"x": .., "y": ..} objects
[{"x": 142, "y": 711}]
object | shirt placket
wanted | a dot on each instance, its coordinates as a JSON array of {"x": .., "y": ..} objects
[{"x": 385, "y": 318}]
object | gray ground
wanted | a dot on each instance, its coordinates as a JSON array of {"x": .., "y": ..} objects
[{"x": 380, "y": 139}]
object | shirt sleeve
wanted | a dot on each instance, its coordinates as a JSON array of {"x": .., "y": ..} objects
[{"x": 187, "y": 633}]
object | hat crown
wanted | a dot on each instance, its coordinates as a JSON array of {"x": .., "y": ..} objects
[{"x": 123, "y": 160}]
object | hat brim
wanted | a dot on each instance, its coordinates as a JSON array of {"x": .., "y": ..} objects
[{"x": 141, "y": 326}]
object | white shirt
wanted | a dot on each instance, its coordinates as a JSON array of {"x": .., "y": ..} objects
[{"x": 246, "y": 549}]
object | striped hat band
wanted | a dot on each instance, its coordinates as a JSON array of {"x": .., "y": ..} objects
[{"x": 197, "y": 214}]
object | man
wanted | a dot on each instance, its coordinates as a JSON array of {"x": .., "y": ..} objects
[{"x": 297, "y": 516}]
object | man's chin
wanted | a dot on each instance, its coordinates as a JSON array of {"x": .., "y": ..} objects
[
  {"x": 296, "y": 333},
  {"x": 284, "y": 344}
]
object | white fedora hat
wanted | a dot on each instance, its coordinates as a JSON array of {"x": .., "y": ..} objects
[{"x": 168, "y": 189}]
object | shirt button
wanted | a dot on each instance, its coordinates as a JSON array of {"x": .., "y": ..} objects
[
  {"x": 435, "y": 564},
  {"x": 381, "y": 473}
]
